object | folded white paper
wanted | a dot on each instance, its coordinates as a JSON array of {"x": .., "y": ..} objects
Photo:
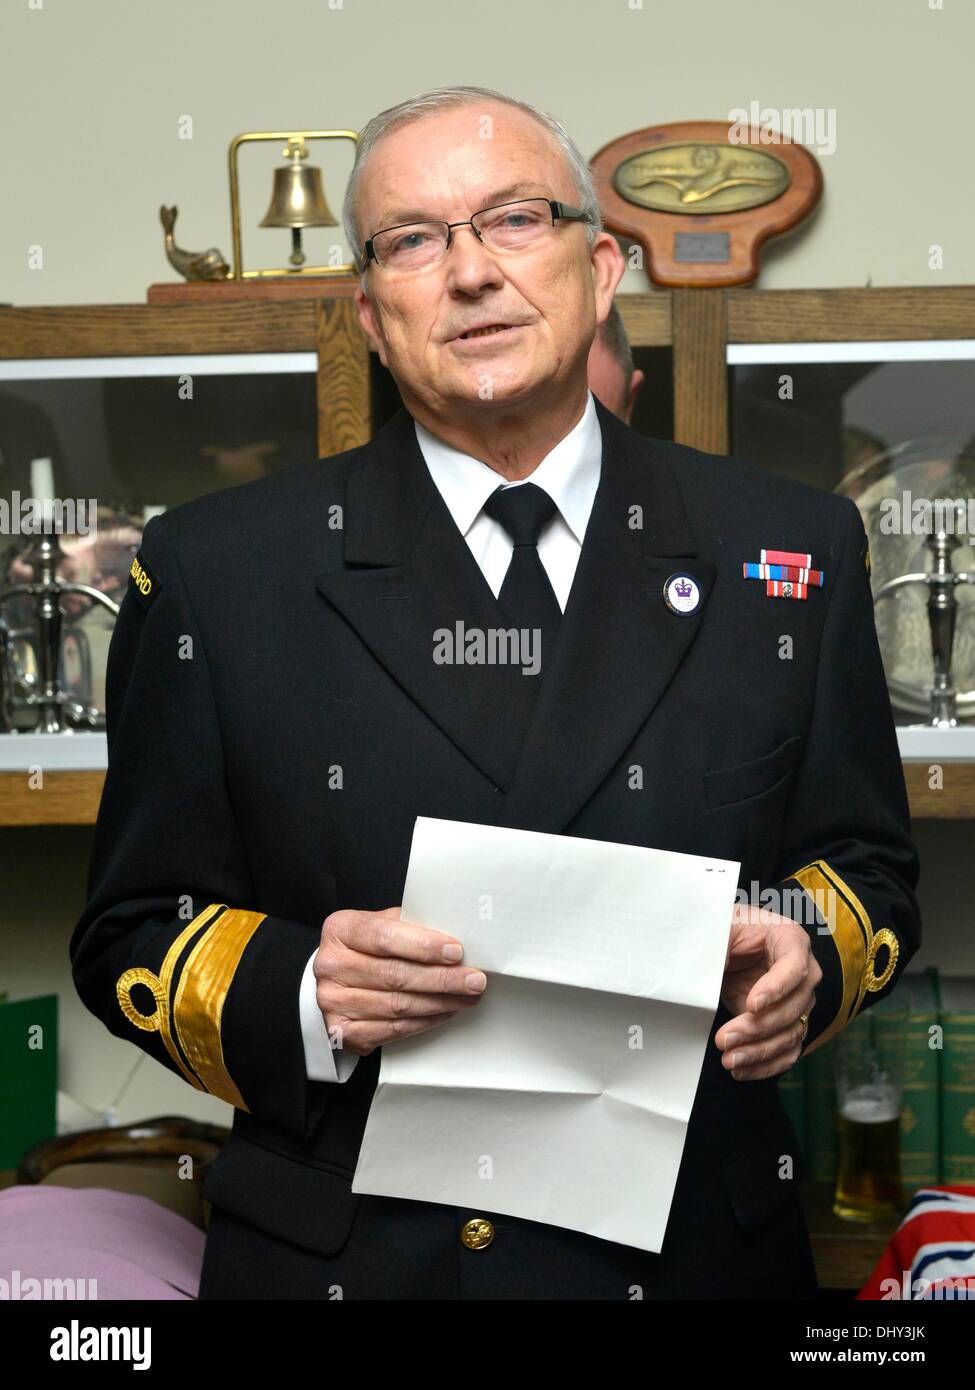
[{"x": 564, "y": 1095}]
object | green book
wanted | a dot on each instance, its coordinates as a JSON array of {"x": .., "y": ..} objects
[
  {"x": 920, "y": 1127},
  {"x": 958, "y": 1079},
  {"x": 28, "y": 1075}
]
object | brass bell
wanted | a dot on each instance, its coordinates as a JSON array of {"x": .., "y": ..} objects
[{"x": 298, "y": 199}]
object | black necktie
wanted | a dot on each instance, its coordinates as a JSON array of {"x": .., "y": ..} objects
[{"x": 527, "y": 598}]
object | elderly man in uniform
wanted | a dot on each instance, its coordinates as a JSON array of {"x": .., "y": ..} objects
[{"x": 277, "y": 722}]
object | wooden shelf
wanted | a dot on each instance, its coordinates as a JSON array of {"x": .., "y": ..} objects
[
  {"x": 846, "y": 1253},
  {"x": 71, "y": 798},
  {"x": 66, "y": 798},
  {"x": 85, "y": 756},
  {"x": 954, "y": 800},
  {"x": 884, "y": 314}
]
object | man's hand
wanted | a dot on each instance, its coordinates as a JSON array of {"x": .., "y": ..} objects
[
  {"x": 770, "y": 979},
  {"x": 379, "y": 979}
]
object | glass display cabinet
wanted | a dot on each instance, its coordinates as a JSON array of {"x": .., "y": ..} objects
[
  {"x": 124, "y": 437},
  {"x": 144, "y": 406},
  {"x": 869, "y": 393},
  {"x": 892, "y": 426},
  {"x": 118, "y": 412}
]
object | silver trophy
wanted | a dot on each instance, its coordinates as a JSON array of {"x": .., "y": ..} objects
[
  {"x": 33, "y": 642},
  {"x": 941, "y": 583},
  {"x": 923, "y": 573}
]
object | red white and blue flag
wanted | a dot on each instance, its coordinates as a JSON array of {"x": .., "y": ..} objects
[{"x": 931, "y": 1255}]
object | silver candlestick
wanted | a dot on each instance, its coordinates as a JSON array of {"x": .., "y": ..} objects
[
  {"x": 941, "y": 582},
  {"x": 56, "y": 709}
]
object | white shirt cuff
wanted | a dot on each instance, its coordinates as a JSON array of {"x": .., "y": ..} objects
[{"x": 322, "y": 1061}]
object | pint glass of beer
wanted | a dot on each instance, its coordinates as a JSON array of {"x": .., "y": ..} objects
[{"x": 868, "y": 1069}]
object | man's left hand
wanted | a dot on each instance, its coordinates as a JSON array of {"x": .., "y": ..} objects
[{"x": 770, "y": 979}]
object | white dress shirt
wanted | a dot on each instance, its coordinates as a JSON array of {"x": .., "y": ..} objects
[{"x": 570, "y": 475}]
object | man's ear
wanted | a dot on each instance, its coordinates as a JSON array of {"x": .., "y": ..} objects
[
  {"x": 369, "y": 322},
  {"x": 608, "y": 269}
]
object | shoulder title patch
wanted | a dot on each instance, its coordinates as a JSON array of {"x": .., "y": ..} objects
[{"x": 143, "y": 583}]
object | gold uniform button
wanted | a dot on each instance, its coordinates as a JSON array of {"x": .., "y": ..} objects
[{"x": 477, "y": 1234}]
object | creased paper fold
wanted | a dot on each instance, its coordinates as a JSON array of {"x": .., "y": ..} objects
[{"x": 564, "y": 1095}]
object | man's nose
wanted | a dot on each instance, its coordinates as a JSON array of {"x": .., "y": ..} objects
[{"x": 469, "y": 262}]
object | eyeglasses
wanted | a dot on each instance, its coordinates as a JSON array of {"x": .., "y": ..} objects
[{"x": 506, "y": 227}]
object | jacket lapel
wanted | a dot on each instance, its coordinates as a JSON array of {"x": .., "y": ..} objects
[
  {"x": 406, "y": 575},
  {"x": 619, "y": 644}
]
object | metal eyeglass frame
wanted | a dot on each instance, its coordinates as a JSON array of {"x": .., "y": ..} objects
[{"x": 556, "y": 208}]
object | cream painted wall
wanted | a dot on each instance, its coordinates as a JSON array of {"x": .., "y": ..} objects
[
  {"x": 92, "y": 93},
  {"x": 91, "y": 96}
]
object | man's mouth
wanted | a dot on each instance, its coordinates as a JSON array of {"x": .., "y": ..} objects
[{"x": 485, "y": 332}]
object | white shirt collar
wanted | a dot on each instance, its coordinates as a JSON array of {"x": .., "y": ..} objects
[{"x": 569, "y": 473}]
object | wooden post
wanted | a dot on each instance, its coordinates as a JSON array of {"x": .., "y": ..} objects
[
  {"x": 699, "y": 320},
  {"x": 344, "y": 388}
]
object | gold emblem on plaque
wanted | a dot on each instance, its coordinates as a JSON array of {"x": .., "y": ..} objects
[{"x": 701, "y": 177}]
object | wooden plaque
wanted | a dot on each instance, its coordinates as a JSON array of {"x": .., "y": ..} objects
[{"x": 701, "y": 197}]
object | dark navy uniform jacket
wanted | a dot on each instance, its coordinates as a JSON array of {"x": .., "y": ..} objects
[{"x": 276, "y": 631}]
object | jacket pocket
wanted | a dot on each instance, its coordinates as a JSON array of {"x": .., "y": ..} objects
[
  {"x": 752, "y": 1178},
  {"x": 724, "y": 786},
  {"x": 312, "y": 1207}
]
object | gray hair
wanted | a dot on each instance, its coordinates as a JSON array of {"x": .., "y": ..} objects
[
  {"x": 614, "y": 336},
  {"x": 441, "y": 99}
]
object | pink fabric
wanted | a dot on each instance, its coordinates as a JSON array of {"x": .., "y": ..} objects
[{"x": 132, "y": 1246}]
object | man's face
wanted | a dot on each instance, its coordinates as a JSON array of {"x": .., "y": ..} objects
[{"x": 553, "y": 293}]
